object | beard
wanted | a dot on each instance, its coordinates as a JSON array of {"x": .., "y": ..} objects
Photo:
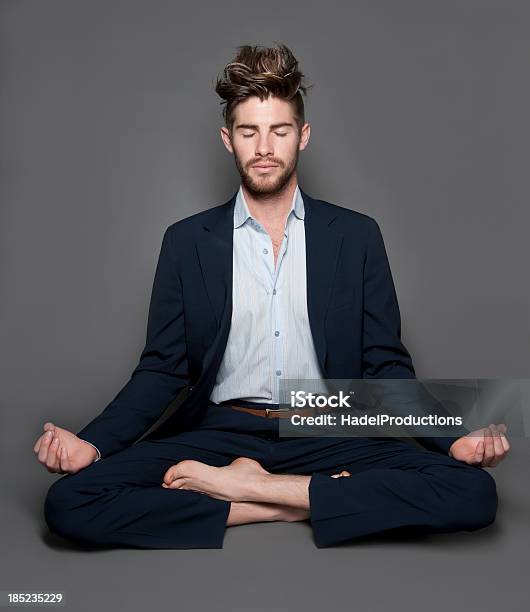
[{"x": 268, "y": 183}]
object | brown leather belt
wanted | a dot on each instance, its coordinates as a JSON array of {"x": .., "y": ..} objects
[{"x": 279, "y": 413}]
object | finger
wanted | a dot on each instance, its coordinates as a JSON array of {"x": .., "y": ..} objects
[
  {"x": 497, "y": 443},
  {"x": 489, "y": 448},
  {"x": 479, "y": 452},
  {"x": 502, "y": 429},
  {"x": 52, "y": 460},
  {"x": 45, "y": 443},
  {"x": 505, "y": 442},
  {"x": 46, "y": 427},
  {"x": 496, "y": 457},
  {"x": 64, "y": 459}
]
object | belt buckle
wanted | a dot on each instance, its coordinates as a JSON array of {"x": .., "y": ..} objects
[{"x": 269, "y": 410}]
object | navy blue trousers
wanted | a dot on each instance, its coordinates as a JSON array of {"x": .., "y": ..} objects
[{"x": 394, "y": 486}]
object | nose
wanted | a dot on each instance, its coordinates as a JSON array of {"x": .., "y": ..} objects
[{"x": 264, "y": 146}]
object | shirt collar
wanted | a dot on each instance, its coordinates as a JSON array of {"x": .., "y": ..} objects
[{"x": 242, "y": 213}]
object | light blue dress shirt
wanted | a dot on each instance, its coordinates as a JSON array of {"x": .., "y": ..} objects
[{"x": 269, "y": 337}]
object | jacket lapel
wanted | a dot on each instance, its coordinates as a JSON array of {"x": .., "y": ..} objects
[
  {"x": 215, "y": 256},
  {"x": 323, "y": 244}
]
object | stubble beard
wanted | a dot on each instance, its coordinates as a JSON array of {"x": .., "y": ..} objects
[{"x": 266, "y": 184}]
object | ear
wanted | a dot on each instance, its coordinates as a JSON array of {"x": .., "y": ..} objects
[
  {"x": 305, "y": 133},
  {"x": 227, "y": 140}
]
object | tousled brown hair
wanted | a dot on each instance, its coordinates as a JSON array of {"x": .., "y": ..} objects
[{"x": 262, "y": 71}]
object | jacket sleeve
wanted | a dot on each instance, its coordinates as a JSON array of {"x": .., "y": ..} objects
[
  {"x": 384, "y": 355},
  {"x": 162, "y": 371}
]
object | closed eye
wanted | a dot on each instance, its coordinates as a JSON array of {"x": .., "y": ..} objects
[{"x": 277, "y": 134}]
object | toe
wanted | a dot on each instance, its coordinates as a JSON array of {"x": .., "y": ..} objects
[{"x": 343, "y": 473}]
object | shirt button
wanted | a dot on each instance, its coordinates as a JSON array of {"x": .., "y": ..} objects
[
  {"x": 276, "y": 333},
  {"x": 265, "y": 251},
  {"x": 278, "y": 372},
  {"x": 274, "y": 292}
]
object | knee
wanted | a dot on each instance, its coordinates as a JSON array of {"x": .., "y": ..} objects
[
  {"x": 59, "y": 512},
  {"x": 478, "y": 504}
]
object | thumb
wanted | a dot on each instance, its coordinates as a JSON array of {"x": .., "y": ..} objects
[{"x": 168, "y": 477}]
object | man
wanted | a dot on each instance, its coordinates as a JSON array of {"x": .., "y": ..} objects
[{"x": 271, "y": 284}]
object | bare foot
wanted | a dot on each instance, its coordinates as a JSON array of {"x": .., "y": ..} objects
[
  {"x": 231, "y": 482},
  {"x": 343, "y": 473}
]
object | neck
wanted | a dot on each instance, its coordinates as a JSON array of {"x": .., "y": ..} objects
[{"x": 272, "y": 209}]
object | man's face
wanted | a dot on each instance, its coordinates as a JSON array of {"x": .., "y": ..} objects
[{"x": 265, "y": 142}]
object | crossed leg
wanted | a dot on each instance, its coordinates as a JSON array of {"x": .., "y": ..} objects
[
  {"x": 255, "y": 494},
  {"x": 121, "y": 500},
  {"x": 394, "y": 487}
]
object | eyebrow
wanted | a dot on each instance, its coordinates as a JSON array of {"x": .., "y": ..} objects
[{"x": 253, "y": 126}]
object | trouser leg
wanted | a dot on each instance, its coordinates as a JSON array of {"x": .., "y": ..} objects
[
  {"x": 393, "y": 486},
  {"x": 120, "y": 501}
]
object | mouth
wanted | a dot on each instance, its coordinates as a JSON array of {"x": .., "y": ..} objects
[{"x": 265, "y": 166}]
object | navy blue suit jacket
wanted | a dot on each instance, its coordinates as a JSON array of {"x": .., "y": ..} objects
[{"x": 352, "y": 307}]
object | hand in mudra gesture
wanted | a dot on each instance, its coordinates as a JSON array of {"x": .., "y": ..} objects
[
  {"x": 485, "y": 447},
  {"x": 61, "y": 451}
]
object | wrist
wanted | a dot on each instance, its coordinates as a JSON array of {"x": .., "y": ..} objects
[{"x": 97, "y": 454}]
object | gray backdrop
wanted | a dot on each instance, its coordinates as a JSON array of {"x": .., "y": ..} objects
[{"x": 110, "y": 132}]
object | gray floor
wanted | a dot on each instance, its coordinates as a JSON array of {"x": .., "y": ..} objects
[{"x": 276, "y": 566}]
